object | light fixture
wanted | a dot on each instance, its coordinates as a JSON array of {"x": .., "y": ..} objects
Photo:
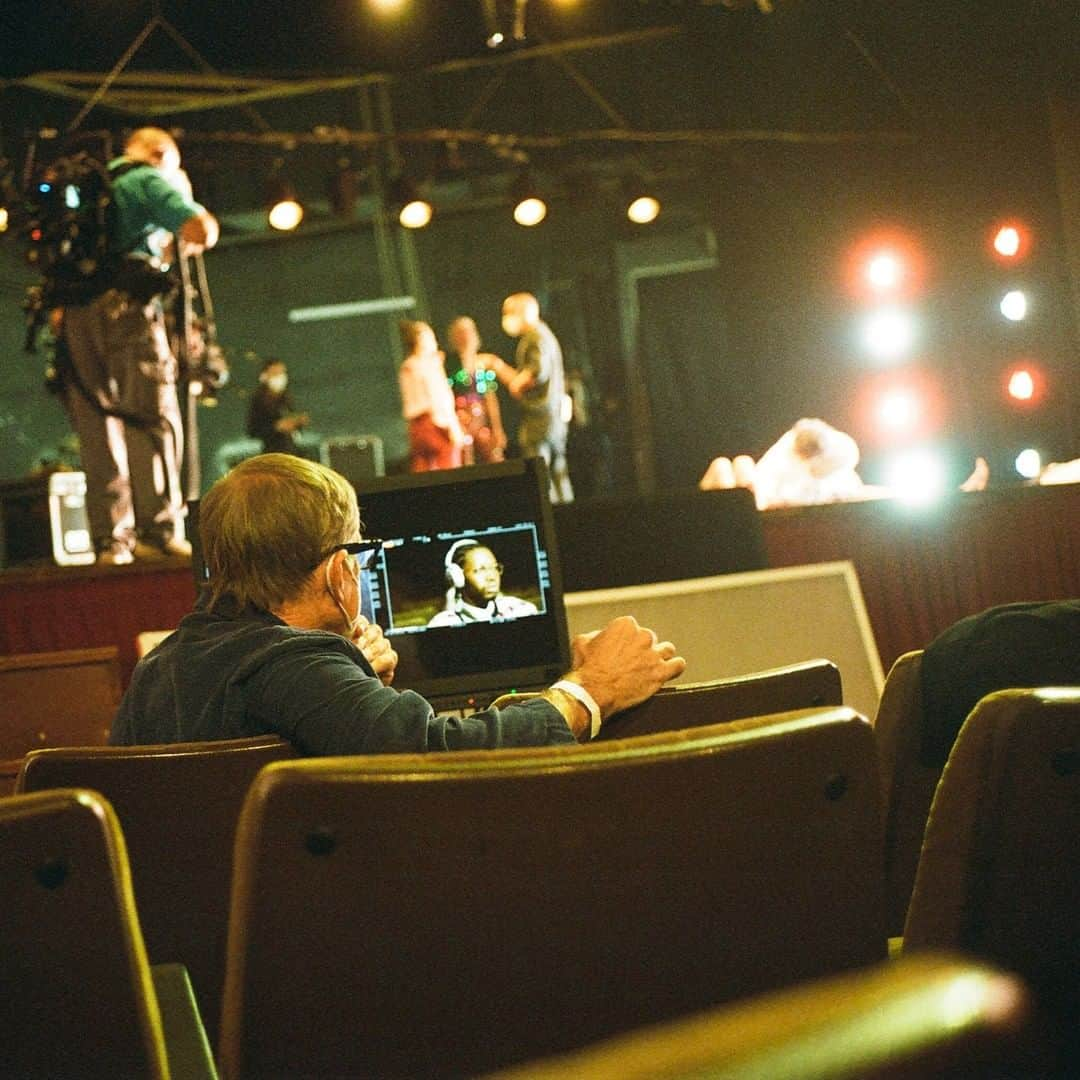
[
  {"x": 529, "y": 206},
  {"x": 1029, "y": 463},
  {"x": 917, "y": 477},
  {"x": 413, "y": 210},
  {"x": 1014, "y": 305},
  {"x": 284, "y": 212},
  {"x": 4, "y": 219},
  {"x": 642, "y": 206},
  {"x": 888, "y": 333},
  {"x": 1011, "y": 241}
]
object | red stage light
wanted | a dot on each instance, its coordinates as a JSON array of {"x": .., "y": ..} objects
[
  {"x": 885, "y": 264},
  {"x": 896, "y": 407},
  {"x": 1024, "y": 384},
  {"x": 1010, "y": 241}
]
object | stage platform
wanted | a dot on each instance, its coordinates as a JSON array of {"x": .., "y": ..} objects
[{"x": 920, "y": 569}]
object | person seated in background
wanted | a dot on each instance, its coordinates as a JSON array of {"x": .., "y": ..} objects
[
  {"x": 277, "y": 643},
  {"x": 427, "y": 402},
  {"x": 474, "y": 593},
  {"x": 272, "y": 415},
  {"x": 1004, "y": 647},
  {"x": 475, "y": 396}
]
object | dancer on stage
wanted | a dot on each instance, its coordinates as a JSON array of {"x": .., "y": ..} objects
[
  {"x": 427, "y": 402},
  {"x": 475, "y": 395}
]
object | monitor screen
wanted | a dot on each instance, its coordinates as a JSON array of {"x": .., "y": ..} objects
[{"x": 467, "y": 585}]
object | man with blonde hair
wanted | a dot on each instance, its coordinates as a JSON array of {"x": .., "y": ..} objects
[{"x": 277, "y": 642}]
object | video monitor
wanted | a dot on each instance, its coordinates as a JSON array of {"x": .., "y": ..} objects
[{"x": 467, "y": 585}]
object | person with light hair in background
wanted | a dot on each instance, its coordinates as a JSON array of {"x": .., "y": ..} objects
[
  {"x": 427, "y": 402},
  {"x": 277, "y": 643}
]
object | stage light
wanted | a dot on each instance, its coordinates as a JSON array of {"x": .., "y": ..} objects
[
  {"x": 1029, "y": 463},
  {"x": 387, "y": 7},
  {"x": 899, "y": 410},
  {"x": 414, "y": 211},
  {"x": 888, "y": 333},
  {"x": 917, "y": 477},
  {"x": 529, "y": 206},
  {"x": 4, "y": 219},
  {"x": 1010, "y": 241},
  {"x": 1007, "y": 241},
  {"x": 1014, "y": 305},
  {"x": 643, "y": 210},
  {"x": 284, "y": 211},
  {"x": 495, "y": 39},
  {"x": 885, "y": 263},
  {"x": 884, "y": 271},
  {"x": 1021, "y": 385}
]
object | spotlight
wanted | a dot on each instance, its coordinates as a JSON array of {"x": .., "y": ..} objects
[
  {"x": 4, "y": 219},
  {"x": 886, "y": 263},
  {"x": 916, "y": 477},
  {"x": 414, "y": 211},
  {"x": 888, "y": 333},
  {"x": 284, "y": 211},
  {"x": 1024, "y": 384},
  {"x": 1011, "y": 241},
  {"x": 495, "y": 39},
  {"x": 1014, "y": 305},
  {"x": 884, "y": 271},
  {"x": 899, "y": 410},
  {"x": 1029, "y": 463},
  {"x": 529, "y": 207},
  {"x": 643, "y": 209}
]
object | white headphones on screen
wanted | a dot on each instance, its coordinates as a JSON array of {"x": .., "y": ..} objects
[{"x": 455, "y": 576}]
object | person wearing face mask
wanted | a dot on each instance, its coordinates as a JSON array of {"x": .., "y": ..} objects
[
  {"x": 537, "y": 381},
  {"x": 277, "y": 643},
  {"x": 427, "y": 402},
  {"x": 272, "y": 415}
]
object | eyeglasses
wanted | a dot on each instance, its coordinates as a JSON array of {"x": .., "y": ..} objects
[{"x": 363, "y": 552}]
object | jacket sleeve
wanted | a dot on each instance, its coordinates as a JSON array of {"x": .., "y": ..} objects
[{"x": 323, "y": 697}]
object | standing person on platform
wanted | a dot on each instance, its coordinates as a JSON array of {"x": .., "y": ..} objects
[
  {"x": 427, "y": 402},
  {"x": 473, "y": 383},
  {"x": 537, "y": 382},
  {"x": 121, "y": 375},
  {"x": 272, "y": 415}
]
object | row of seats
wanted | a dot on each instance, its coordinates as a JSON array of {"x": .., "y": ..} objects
[{"x": 451, "y": 914}]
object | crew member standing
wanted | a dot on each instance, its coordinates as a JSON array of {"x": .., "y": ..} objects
[
  {"x": 537, "y": 382},
  {"x": 427, "y": 402},
  {"x": 120, "y": 390},
  {"x": 272, "y": 415}
]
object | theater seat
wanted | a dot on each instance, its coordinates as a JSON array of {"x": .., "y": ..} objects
[
  {"x": 809, "y": 685},
  {"x": 78, "y": 995},
  {"x": 907, "y": 784},
  {"x": 931, "y": 1016},
  {"x": 443, "y": 914},
  {"x": 999, "y": 873},
  {"x": 178, "y": 805}
]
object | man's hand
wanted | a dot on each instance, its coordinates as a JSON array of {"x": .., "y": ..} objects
[
  {"x": 378, "y": 652},
  {"x": 623, "y": 664}
]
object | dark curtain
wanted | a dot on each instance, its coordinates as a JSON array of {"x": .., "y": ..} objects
[{"x": 694, "y": 389}]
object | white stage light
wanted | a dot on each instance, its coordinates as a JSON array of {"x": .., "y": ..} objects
[
  {"x": 917, "y": 477},
  {"x": 1029, "y": 463},
  {"x": 883, "y": 271},
  {"x": 898, "y": 410},
  {"x": 888, "y": 333},
  {"x": 1014, "y": 305},
  {"x": 1022, "y": 385}
]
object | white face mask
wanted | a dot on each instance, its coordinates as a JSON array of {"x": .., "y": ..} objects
[
  {"x": 354, "y": 620},
  {"x": 277, "y": 383}
]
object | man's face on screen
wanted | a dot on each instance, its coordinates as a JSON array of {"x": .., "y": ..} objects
[{"x": 483, "y": 576}]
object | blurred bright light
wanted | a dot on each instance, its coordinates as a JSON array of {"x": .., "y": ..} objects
[
  {"x": 387, "y": 7},
  {"x": 1022, "y": 385},
  {"x": 1007, "y": 241},
  {"x": 884, "y": 271},
  {"x": 495, "y": 40},
  {"x": 3, "y": 218},
  {"x": 285, "y": 215},
  {"x": 416, "y": 214},
  {"x": 530, "y": 211},
  {"x": 899, "y": 410},
  {"x": 888, "y": 333},
  {"x": 1029, "y": 463},
  {"x": 643, "y": 210},
  {"x": 1014, "y": 305},
  {"x": 917, "y": 476}
]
